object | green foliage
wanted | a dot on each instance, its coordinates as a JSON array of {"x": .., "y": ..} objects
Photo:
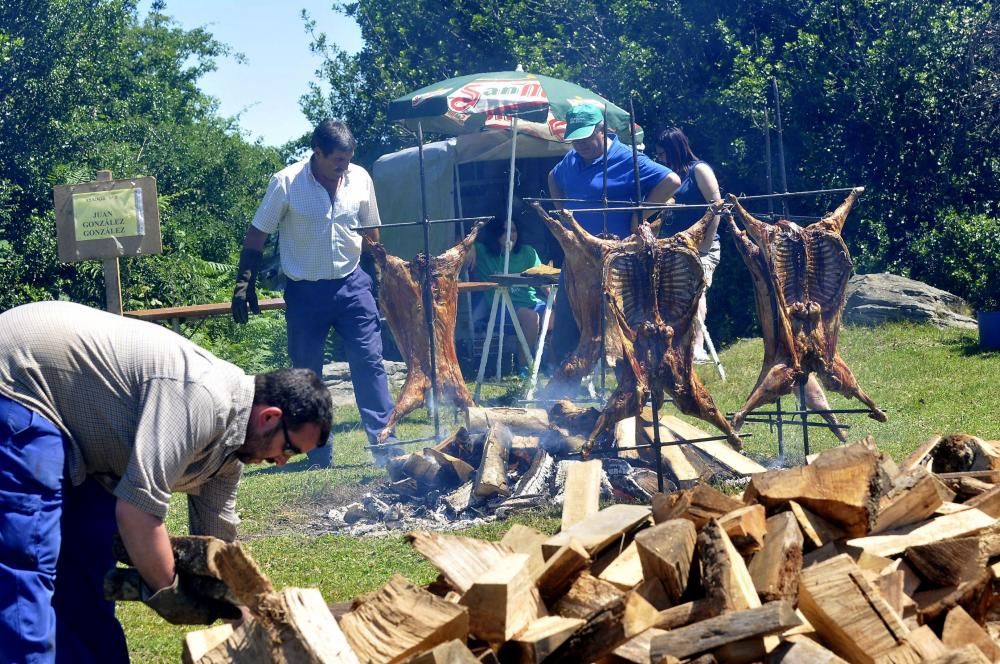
[
  {"x": 900, "y": 96},
  {"x": 958, "y": 252},
  {"x": 85, "y": 85}
]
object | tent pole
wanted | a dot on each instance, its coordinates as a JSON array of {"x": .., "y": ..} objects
[
  {"x": 428, "y": 294},
  {"x": 506, "y": 238}
]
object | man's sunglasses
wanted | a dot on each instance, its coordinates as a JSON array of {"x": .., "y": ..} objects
[{"x": 288, "y": 450}]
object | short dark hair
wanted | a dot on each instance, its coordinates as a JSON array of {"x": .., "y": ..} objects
[
  {"x": 301, "y": 396},
  {"x": 675, "y": 146},
  {"x": 331, "y": 135}
]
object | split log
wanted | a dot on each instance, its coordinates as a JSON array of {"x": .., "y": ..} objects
[
  {"x": 960, "y": 629},
  {"x": 460, "y": 559},
  {"x": 896, "y": 541},
  {"x": 491, "y": 476},
  {"x": 775, "y": 568},
  {"x": 631, "y": 432},
  {"x": 948, "y": 562},
  {"x": 746, "y": 528},
  {"x": 988, "y": 502},
  {"x": 561, "y": 570},
  {"x": 600, "y": 530},
  {"x": 817, "y": 531},
  {"x": 910, "y": 506},
  {"x": 837, "y": 486},
  {"x": 534, "y": 481},
  {"x": 539, "y": 640},
  {"x": 503, "y": 600},
  {"x": 708, "y": 635},
  {"x": 198, "y": 644},
  {"x": 400, "y": 620},
  {"x": 920, "y": 645},
  {"x": 524, "y": 539},
  {"x": 976, "y": 596},
  {"x": 587, "y": 597},
  {"x": 519, "y": 420},
  {"x": 847, "y": 613},
  {"x": 724, "y": 575},
  {"x": 803, "y": 650},
  {"x": 625, "y": 571},
  {"x": 249, "y": 643},
  {"x": 450, "y": 652},
  {"x": 921, "y": 456},
  {"x": 687, "y": 613},
  {"x": 665, "y": 553},
  {"x": 640, "y": 615},
  {"x": 698, "y": 505},
  {"x": 306, "y": 631},
  {"x": 970, "y": 654},
  {"x": 583, "y": 492},
  {"x": 636, "y": 649},
  {"x": 717, "y": 452},
  {"x": 604, "y": 630}
]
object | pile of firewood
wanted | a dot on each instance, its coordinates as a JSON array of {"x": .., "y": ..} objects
[{"x": 849, "y": 558}]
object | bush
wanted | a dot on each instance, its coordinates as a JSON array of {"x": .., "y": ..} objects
[{"x": 960, "y": 253}]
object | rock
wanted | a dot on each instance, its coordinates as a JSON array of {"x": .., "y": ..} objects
[
  {"x": 337, "y": 376},
  {"x": 873, "y": 299}
]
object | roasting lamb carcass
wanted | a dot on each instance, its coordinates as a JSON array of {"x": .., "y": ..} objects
[
  {"x": 653, "y": 287},
  {"x": 401, "y": 297},
  {"x": 581, "y": 284},
  {"x": 800, "y": 278}
]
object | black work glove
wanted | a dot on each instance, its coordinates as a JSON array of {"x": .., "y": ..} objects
[
  {"x": 178, "y": 605},
  {"x": 245, "y": 293}
]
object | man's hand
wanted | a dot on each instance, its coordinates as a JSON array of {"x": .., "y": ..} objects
[
  {"x": 179, "y": 605},
  {"x": 245, "y": 293}
]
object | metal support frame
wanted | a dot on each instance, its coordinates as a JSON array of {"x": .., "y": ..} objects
[
  {"x": 427, "y": 295},
  {"x": 798, "y": 417}
]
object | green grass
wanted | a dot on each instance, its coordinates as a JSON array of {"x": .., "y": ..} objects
[{"x": 929, "y": 381}]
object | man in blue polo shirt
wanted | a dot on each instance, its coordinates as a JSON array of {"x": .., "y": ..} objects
[{"x": 580, "y": 176}]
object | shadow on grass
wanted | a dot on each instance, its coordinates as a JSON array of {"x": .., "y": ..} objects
[{"x": 967, "y": 345}]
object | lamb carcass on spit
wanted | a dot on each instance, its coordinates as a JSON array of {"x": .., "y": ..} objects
[
  {"x": 401, "y": 297},
  {"x": 653, "y": 287},
  {"x": 581, "y": 284},
  {"x": 800, "y": 278}
]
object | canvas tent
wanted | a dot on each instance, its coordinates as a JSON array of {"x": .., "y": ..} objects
[{"x": 397, "y": 184}]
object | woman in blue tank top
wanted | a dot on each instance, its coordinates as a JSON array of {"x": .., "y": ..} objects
[{"x": 698, "y": 185}]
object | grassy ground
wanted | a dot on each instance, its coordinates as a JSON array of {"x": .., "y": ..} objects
[{"x": 929, "y": 381}]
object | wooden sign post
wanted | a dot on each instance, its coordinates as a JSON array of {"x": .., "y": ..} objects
[{"x": 107, "y": 219}]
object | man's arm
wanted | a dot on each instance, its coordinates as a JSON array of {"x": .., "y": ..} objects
[
  {"x": 371, "y": 233},
  {"x": 148, "y": 544},
  {"x": 554, "y": 190},
  {"x": 254, "y": 238}
]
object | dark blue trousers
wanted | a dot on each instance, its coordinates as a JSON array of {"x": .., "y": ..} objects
[
  {"x": 55, "y": 547},
  {"x": 347, "y": 306}
]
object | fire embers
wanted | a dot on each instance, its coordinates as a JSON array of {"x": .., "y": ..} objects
[{"x": 800, "y": 280}]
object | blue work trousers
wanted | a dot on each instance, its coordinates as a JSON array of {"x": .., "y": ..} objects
[
  {"x": 55, "y": 547},
  {"x": 348, "y": 306}
]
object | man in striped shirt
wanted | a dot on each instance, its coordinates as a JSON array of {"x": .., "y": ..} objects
[
  {"x": 321, "y": 207},
  {"x": 102, "y": 418}
]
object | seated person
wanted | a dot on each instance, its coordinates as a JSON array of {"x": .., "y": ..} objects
[{"x": 488, "y": 260}]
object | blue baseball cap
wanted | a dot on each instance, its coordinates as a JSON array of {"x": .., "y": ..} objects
[{"x": 581, "y": 120}]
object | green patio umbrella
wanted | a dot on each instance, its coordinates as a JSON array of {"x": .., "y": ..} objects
[
  {"x": 513, "y": 101},
  {"x": 491, "y": 100}
]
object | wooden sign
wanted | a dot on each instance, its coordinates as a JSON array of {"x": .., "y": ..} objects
[{"x": 107, "y": 219}]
